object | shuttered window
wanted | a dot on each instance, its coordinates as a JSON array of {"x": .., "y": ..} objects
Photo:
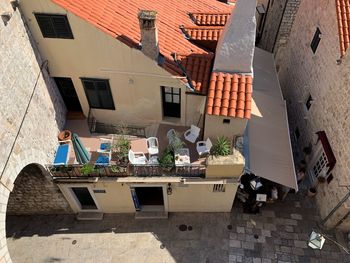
[
  {"x": 54, "y": 26},
  {"x": 98, "y": 93}
]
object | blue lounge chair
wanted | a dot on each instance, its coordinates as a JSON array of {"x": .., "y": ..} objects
[
  {"x": 102, "y": 160},
  {"x": 62, "y": 155}
]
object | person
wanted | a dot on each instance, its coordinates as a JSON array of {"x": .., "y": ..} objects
[{"x": 301, "y": 174}]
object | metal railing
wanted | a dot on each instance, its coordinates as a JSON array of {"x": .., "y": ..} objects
[
  {"x": 126, "y": 129},
  {"x": 79, "y": 171}
]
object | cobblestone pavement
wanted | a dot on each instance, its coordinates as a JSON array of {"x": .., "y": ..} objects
[{"x": 278, "y": 234}]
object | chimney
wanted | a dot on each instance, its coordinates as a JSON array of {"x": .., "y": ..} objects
[
  {"x": 235, "y": 48},
  {"x": 149, "y": 33}
]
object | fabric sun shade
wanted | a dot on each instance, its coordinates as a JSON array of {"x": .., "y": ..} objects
[
  {"x": 81, "y": 154},
  {"x": 267, "y": 144}
]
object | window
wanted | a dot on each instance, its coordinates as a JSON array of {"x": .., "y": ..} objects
[
  {"x": 218, "y": 188},
  {"x": 98, "y": 93},
  {"x": 309, "y": 102},
  {"x": 171, "y": 102},
  {"x": 54, "y": 26},
  {"x": 226, "y": 121},
  {"x": 316, "y": 40}
]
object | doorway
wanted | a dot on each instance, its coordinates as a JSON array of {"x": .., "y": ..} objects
[
  {"x": 68, "y": 93},
  {"x": 83, "y": 198},
  {"x": 171, "y": 100},
  {"x": 148, "y": 198}
]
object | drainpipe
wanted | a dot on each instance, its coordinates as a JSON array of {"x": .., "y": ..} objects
[{"x": 335, "y": 209}]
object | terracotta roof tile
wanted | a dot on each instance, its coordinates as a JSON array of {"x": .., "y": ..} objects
[
  {"x": 230, "y": 95},
  {"x": 198, "y": 68},
  {"x": 119, "y": 19},
  {"x": 343, "y": 16},
  {"x": 203, "y": 33},
  {"x": 209, "y": 19}
]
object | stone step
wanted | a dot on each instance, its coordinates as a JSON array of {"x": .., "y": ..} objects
[
  {"x": 151, "y": 215},
  {"x": 90, "y": 216}
]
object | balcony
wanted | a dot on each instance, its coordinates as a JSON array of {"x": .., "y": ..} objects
[{"x": 120, "y": 166}]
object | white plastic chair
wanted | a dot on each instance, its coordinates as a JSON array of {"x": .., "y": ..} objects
[
  {"x": 171, "y": 135},
  {"x": 152, "y": 145},
  {"x": 192, "y": 134},
  {"x": 137, "y": 157},
  {"x": 203, "y": 147}
]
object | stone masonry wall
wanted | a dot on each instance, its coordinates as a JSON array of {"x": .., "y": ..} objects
[
  {"x": 303, "y": 73},
  {"x": 33, "y": 140},
  {"x": 35, "y": 193},
  {"x": 278, "y": 24}
]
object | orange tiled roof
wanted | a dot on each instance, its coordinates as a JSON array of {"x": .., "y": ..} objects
[
  {"x": 343, "y": 15},
  {"x": 198, "y": 68},
  {"x": 119, "y": 19},
  {"x": 230, "y": 95},
  {"x": 210, "y": 19},
  {"x": 203, "y": 33}
]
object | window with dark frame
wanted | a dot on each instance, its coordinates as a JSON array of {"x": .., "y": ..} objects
[
  {"x": 309, "y": 102},
  {"x": 226, "y": 121},
  {"x": 316, "y": 40},
  {"x": 54, "y": 26},
  {"x": 98, "y": 93}
]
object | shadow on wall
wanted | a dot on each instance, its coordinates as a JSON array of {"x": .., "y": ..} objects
[
  {"x": 35, "y": 193},
  {"x": 55, "y": 96}
]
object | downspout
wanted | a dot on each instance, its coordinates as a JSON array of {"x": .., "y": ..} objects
[
  {"x": 189, "y": 81},
  {"x": 335, "y": 209},
  {"x": 279, "y": 26}
]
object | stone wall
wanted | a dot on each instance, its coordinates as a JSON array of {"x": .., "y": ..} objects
[
  {"x": 278, "y": 24},
  {"x": 303, "y": 73},
  {"x": 27, "y": 133},
  {"x": 35, "y": 193}
]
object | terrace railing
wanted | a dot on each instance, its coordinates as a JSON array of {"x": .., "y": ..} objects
[
  {"x": 76, "y": 171},
  {"x": 99, "y": 127}
]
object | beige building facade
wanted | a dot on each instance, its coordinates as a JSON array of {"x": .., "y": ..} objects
[
  {"x": 324, "y": 77},
  {"x": 134, "y": 79}
]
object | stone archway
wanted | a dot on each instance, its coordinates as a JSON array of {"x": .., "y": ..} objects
[{"x": 35, "y": 193}]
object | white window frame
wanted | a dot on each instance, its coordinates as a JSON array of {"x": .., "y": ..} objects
[{"x": 68, "y": 193}]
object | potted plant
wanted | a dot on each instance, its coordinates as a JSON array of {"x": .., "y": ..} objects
[
  {"x": 313, "y": 190},
  {"x": 87, "y": 169},
  {"x": 166, "y": 160},
  {"x": 176, "y": 144},
  {"x": 221, "y": 147},
  {"x": 123, "y": 146}
]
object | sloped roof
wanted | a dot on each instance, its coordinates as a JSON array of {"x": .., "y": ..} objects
[
  {"x": 206, "y": 33},
  {"x": 230, "y": 95},
  {"x": 343, "y": 16},
  {"x": 119, "y": 19},
  {"x": 210, "y": 19}
]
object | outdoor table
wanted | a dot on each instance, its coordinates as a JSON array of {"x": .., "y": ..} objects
[{"x": 182, "y": 157}]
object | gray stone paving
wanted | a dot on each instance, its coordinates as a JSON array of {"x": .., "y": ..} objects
[{"x": 278, "y": 234}]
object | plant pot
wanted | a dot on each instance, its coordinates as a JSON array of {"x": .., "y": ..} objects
[
  {"x": 65, "y": 135},
  {"x": 312, "y": 192},
  {"x": 321, "y": 180}
]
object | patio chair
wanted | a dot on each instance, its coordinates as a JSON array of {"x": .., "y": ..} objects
[
  {"x": 152, "y": 145},
  {"x": 137, "y": 157},
  {"x": 171, "y": 135},
  {"x": 105, "y": 145},
  {"x": 203, "y": 147},
  {"x": 62, "y": 154},
  {"x": 192, "y": 134},
  {"x": 103, "y": 159}
]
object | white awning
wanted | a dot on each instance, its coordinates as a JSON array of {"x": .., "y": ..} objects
[{"x": 268, "y": 147}]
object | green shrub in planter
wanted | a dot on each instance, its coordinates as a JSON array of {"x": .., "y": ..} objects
[
  {"x": 166, "y": 160},
  {"x": 123, "y": 146},
  {"x": 87, "y": 169},
  {"x": 221, "y": 147}
]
